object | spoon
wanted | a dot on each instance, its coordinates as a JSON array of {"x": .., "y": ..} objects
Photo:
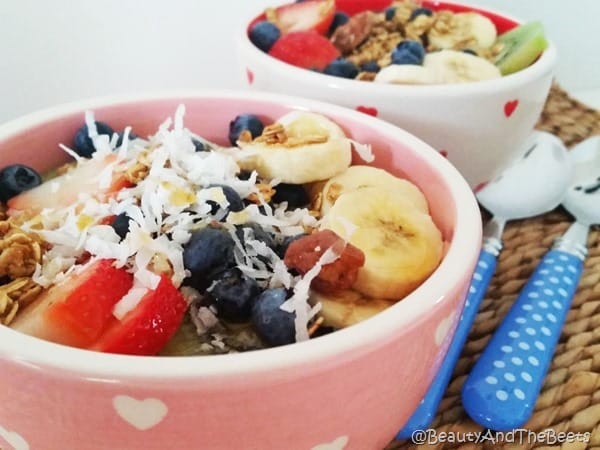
[
  {"x": 544, "y": 157},
  {"x": 501, "y": 390}
]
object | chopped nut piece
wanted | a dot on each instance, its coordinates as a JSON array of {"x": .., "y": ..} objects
[
  {"x": 351, "y": 34},
  {"x": 139, "y": 170},
  {"x": 265, "y": 193},
  {"x": 161, "y": 265}
]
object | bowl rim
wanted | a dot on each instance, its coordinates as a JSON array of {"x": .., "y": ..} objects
[
  {"x": 543, "y": 65},
  {"x": 460, "y": 258}
]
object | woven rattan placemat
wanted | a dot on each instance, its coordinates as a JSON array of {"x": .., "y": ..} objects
[{"x": 570, "y": 399}]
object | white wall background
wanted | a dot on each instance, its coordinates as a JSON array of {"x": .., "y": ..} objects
[{"x": 63, "y": 50}]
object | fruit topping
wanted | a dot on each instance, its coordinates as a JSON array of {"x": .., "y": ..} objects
[
  {"x": 306, "y": 49},
  {"x": 97, "y": 177},
  {"x": 17, "y": 178},
  {"x": 408, "y": 52},
  {"x": 145, "y": 329},
  {"x": 83, "y": 143},
  {"x": 520, "y": 47},
  {"x": 315, "y": 15},
  {"x": 301, "y": 147},
  {"x": 121, "y": 225},
  {"x": 341, "y": 68},
  {"x": 208, "y": 252},
  {"x": 264, "y": 34},
  {"x": 77, "y": 310},
  {"x": 305, "y": 252},
  {"x": 272, "y": 323},
  {"x": 294, "y": 194},
  {"x": 401, "y": 244},
  {"x": 373, "y": 35},
  {"x": 245, "y": 124},
  {"x": 233, "y": 294}
]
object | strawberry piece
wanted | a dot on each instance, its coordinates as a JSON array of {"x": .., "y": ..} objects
[
  {"x": 303, "y": 253},
  {"x": 352, "y": 7},
  {"x": 65, "y": 189},
  {"x": 77, "y": 310},
  {"x": 314, "y": 15},
  {"x": 306, "y": 49},
  {"x": 146, "y": 329}
]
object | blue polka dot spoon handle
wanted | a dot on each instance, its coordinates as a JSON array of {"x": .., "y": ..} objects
[
  {"x": 425, "y": 412},
  {"x": 503, "y": 386}
]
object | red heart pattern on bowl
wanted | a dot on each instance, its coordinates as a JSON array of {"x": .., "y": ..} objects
[
  {"x": 509, "y": 107},
  {"x": 250, "y": 76},
  {"x": 368, "y": 110}
]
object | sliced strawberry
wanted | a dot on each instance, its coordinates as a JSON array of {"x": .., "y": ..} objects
[
  {"x": 306, "y": 49},
  {"x": 146, "y": 329},
  {"x": 77, "y": 310},
  {"x": 314, "y": 15},
  {"x": 352, "y": 7},
  {"x": 64, "y": 190}
]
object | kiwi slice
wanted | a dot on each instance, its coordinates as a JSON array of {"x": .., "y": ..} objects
[{"x": 521, "y": 47}]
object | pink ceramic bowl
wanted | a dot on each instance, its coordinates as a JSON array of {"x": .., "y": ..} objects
[
  {"x": 478, "y": 126},
  {"x": 352, "y": 389}
]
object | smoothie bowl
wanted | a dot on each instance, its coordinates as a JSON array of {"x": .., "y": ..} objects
[
  {"x": 225, "y": 270},
  {"x": 469, "y": 81}
]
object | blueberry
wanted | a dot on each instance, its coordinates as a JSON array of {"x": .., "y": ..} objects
[
  {"x": 294, "y": 194},
  {"x": 469, "y": 51},
  {"x": 233, "y": 294},
  {"x": 419, "y": 11},
  {"x": 130, "y": 138},
  {"x": 208, "y": 253},
  {"x": 242, "y": 123},
  {"x": 200, "y": 146},
  {"x": 390, "y": 13},
  {"x": 258, "y": 233},
  {"x": 121, "y": 225},
  {"x": 17, "y": 178},
  {"x": 282, "y": 246},
  {"x": 264, "y": 34},
  {"x": 272, "y": 324},
  {"x": 408, "y": 52},
  {"x": 234, "y": 199},
  {"x": 341, "y": 68},
  {"x": 83, "y": 144},
  {"x": 370, "y": 66},
  {"x": 339, "y": 18}
]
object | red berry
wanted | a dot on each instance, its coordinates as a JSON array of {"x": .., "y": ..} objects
[
  {"x": 78, "y": 309},
  {"x": 146, "y": 329},
  {"x": 306, "y": 49},
  {"x": 314, "y": 15}
]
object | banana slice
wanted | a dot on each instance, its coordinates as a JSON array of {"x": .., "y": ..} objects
[
  {"x": 358, "y": 177},
  {"x": 452, "y": 66},
  {"x": 464, "y": 30},
  {"x": 402, "y": 245},
  {"x": 301, "y": 147},
  {"x": 406, "y": 74},
  {"x": 346, "y": 308}
]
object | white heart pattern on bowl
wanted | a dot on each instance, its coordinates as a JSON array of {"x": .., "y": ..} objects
[
  {"x": 14, "y": 439},
  {"x": 338, "y": 444},
  {"x": 141, "y": 414},
  {"x": 442, "y": 330}
]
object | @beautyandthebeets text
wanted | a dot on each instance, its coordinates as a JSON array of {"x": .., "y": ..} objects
[{"x": 518, "y": 436}]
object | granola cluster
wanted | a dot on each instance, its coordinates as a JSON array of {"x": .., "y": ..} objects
[{"x": 20, "y": 252}]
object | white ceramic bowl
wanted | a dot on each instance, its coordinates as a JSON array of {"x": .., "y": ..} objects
[
  {"x": 353, "y": 388},
  {"x": 479, "y": 126}
]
